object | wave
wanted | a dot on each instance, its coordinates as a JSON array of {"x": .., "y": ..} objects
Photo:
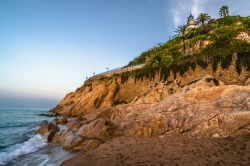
[{"x": 13, "y": 152}]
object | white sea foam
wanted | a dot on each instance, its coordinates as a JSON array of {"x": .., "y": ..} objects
[
  {"x": 45, "y": 160},
  {"x": 32, "y": 145}
]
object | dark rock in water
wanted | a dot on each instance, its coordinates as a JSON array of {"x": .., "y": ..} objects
[
  {"x": 48, "y": 129},
  {"x": 86, "y": 135},
  {"x": 47, "y": 115},
  {"x": 43, "y": 129},
  {"x": 53, "y": 130},
  {"x": 69, "y": 140},
  {"x": 60, "y": 121}
]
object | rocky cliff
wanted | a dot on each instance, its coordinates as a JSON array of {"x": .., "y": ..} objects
[
  {"x": 104, "y": 92},
  {"x": 201, "y": 103}
]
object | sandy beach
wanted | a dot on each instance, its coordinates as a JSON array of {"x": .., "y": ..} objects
[{"x": 167, "y": 150}]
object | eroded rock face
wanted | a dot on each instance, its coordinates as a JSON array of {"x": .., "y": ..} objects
[
  {"x": 104, "y": 92},
  {"x": 85, "y": 136},
  {"x": 75, "y": 124},
  {"x": 160, "y": 91},
  {"x": 204, "y": 107},
  {"x": 98, "y": 129},
  {"x": 93, "y": 95},
  {"x": 217, "y": 111}
]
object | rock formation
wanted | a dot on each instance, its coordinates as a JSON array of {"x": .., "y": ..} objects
[
  {"x": 104, "y": 92},
  {"x": 204, "y": 107}
]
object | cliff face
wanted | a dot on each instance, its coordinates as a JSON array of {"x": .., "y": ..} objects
[
  {"x": 201, "y": 103},
  {"x": 200, "y": 109},
  {"x": 104, "y": 92}
]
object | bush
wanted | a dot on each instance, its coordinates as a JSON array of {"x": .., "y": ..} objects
[{"x": 169, "y": 57}]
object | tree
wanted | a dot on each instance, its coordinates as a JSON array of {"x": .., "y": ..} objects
[
  {"x": 224, "y": 11},
  {"x": 181, "y": 32},
  {"x": 202, "y": 18}
]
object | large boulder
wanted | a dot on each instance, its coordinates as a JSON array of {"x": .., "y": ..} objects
[
  {"x": 97, "y": 129},
  {"x": 84, "y": 135},
  {"x": 48, "y": 129},
  {"x": 68, "y": 140}
]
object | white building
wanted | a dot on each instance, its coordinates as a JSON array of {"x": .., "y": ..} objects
[{"x": 191, "y": 24}]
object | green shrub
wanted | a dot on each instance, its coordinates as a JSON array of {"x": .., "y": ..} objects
[{"x": 169, "y": 58}]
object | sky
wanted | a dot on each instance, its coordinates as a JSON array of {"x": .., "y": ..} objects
[{"x": 49, "y": 47}]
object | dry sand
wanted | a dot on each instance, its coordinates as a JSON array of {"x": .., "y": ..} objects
[{"x": 167, "y": 150}]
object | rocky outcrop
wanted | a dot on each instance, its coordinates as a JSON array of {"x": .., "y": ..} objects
[
  {"x": 221, "y": 111},
  {"x": 93, "y": 95},
  {"x": 105, "y": 92},
  {"x": 98, "y": 129},
  {"x": 203, "y": 108},
  {"x": 82, "y": 135},
  {"x": 199, "y": 103},
  {"x": 48, "y": 129},
  {"x": 160, "y": 91}
]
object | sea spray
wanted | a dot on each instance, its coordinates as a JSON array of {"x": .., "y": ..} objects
[{"x": 32, "y": 145}]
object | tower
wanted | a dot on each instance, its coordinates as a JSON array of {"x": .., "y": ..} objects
[{"x": 191, "y": 22}]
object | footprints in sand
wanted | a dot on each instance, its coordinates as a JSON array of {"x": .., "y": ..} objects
[{"x": 171, "y": 151}]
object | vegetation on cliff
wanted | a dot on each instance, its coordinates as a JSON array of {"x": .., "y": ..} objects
[{"x": 213, "y": 41}]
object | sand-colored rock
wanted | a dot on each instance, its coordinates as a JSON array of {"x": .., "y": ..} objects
[
  {"x": 98, "y": 129},
  {"x": 68, "y": 140},
  {"x": 199, "y": 104},
  {"x": 200, "y": 110},
  {"x": 91, "y": 96},
  {"x": 85, "y": 135},
  {"x": 105, "y": 92},
  {"x": 75, "y": 124}
]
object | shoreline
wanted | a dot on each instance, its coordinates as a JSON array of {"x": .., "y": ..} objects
[
  {"x": 167, "y": 150},
  {"x": 46, "y": 155}
]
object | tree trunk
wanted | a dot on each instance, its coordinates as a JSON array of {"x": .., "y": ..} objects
[{"x": 184, "y": 45}]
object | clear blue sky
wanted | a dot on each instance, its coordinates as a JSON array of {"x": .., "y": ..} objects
[{"x": 48, "y": 47}]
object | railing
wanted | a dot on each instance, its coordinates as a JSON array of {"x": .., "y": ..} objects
[
  {"x": 119, "y": 70},
  {"x": 109, "y": 71}
]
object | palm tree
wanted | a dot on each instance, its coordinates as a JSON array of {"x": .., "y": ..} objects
[
  {"x": 202, "y": 18},
  {"x": 181, "y": 32},
  {"x": 224, "y": 11}
]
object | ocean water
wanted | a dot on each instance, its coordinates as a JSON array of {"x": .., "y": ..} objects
[{"x": 19, "y": 143}]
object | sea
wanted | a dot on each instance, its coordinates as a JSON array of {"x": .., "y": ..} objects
[{"x": 19, "y": 143}]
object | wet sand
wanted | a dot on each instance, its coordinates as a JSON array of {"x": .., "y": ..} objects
[{"x": 167, "y": 150}]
